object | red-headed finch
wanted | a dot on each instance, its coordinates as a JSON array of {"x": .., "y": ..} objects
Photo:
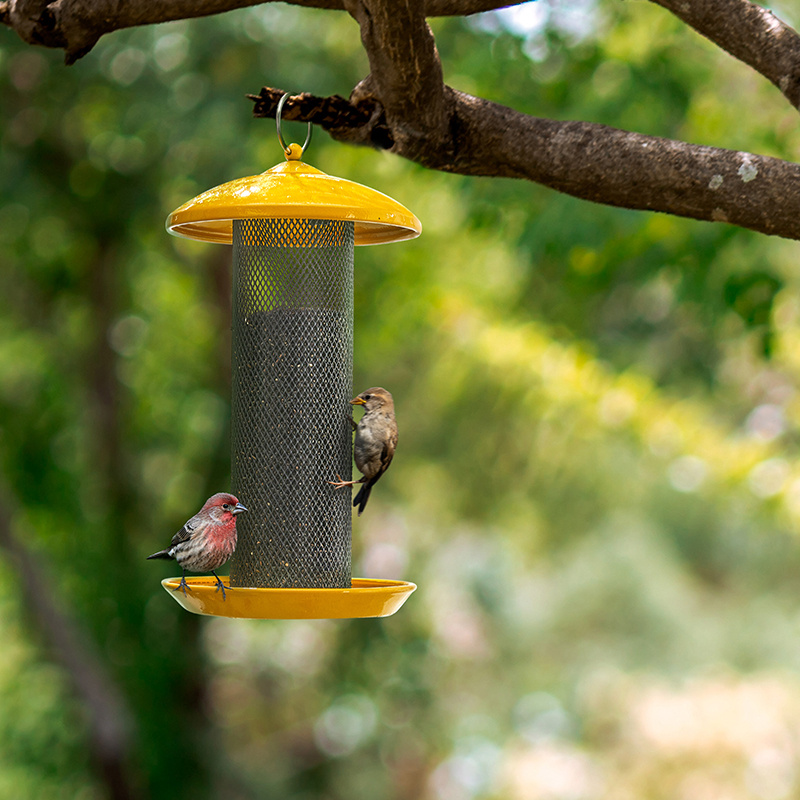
[
  {"x": 375, "y": 442},
  {"x": 207, "y": 540}
]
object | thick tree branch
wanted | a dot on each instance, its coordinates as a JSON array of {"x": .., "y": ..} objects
[
  {"x": 583, "y": 159},
  {"x": 403, "y": 106},
  {"x": 750, "y": 33},
  {"x": 76, "y": 25},
  {"x": 744, "y": 29},
  {"x": 405, "y": 72}
]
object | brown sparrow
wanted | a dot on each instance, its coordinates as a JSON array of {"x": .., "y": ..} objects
[{"x": 376, "y": 439}]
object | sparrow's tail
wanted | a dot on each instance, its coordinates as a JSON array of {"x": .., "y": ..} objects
[
  {"x": 161, "y": 554},
  {"x": 361, "y": 498}
]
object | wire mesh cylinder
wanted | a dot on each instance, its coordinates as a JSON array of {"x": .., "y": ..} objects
[{"x": 292, "y": 364}]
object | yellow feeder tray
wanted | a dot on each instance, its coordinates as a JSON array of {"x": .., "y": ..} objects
[
  {"x": 294, "y": 190},
  {"x": 368, "y": 597}
]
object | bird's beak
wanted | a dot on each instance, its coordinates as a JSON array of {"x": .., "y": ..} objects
[
  {"x": 237, "y": 509},
  {"x": 357, "y": 401}
]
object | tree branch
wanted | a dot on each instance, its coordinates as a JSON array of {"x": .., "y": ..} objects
[
  {"x": 406, "y": 73},
  {"x": 744, "y": 29},
  {"x": 582, "y": 159},
  {"x": 750, "y": 33},
  {"x": 76, "y": 25},
  {"x": 404, "y": 106}
]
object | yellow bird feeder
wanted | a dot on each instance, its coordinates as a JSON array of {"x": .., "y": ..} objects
[{"x": 293, "y": 230}]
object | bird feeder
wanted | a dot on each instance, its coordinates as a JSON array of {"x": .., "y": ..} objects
[{"x": 293, "y": 229}]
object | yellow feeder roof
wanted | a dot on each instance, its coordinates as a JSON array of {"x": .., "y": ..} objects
[{"x": 293, "y": 190}]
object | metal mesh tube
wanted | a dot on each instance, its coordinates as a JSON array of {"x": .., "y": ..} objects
[{"x": 292, "y": 363}]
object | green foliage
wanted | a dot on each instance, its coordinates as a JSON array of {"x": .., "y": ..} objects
[{"x": 594, "y": 488}]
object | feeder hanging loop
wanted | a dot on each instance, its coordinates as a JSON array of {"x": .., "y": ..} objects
[{"x": 290, "y": 150}]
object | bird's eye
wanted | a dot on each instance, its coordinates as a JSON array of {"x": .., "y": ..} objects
[
  {"x": 368, "y": 397},
  {"x": 226, "y": 506}
]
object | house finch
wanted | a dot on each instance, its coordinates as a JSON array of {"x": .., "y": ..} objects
[
  {"x": 376, "y": 439},
  {"x": 207, "y": 540}
]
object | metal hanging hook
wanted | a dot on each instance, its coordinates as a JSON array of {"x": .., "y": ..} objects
[{"x": 285, "y": 147}]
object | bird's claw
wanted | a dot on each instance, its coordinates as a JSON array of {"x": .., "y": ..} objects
[
  {"x": 182, "y": 585},
  {"x": 221, "y": 585},
  {"x": 339, "y": 483}
]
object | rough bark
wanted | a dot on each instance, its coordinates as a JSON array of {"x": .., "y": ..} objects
[
  {"x": 404, "y": 106},
  {"x": 586, "y": 160},
  {"x": 750, "y": 33},
  {"x": 76, "y": 25}
]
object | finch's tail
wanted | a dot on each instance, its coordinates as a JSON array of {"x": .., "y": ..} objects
[
  {"x": 161, "y": 554},
  {"x": 361, "y": 498}
]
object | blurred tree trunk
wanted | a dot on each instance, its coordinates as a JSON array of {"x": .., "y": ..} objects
[
  {"x": 180, "y": 692},
  {"x": 112, "y": 740}
]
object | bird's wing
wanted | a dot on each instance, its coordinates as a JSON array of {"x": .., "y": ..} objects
[
  {"x": 387, "y": 454},
  {"x": 388, "y": 448},
  {"x": 388, "y": 451},
  {"x": 186, "y": 532}
]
